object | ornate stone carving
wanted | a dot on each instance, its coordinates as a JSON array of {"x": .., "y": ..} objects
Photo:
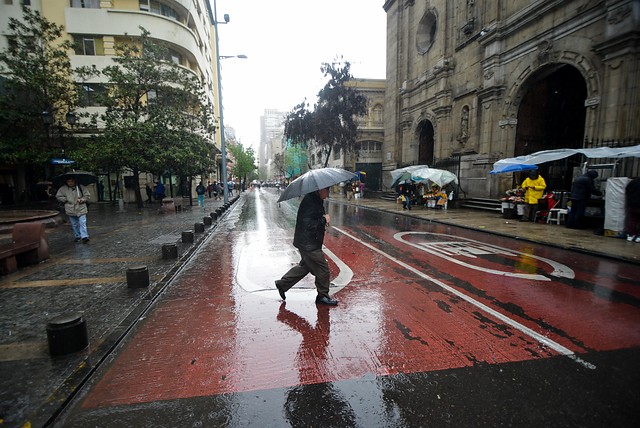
[
  {"x": 463, "y": 136},
  {"x": 544, "y": 50}
]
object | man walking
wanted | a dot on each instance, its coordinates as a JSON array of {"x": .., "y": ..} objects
[
  {"x": 75, "y": 198},
  {"x": 308, "y": 238}
]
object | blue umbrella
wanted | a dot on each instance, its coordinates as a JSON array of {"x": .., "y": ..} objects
[{"x": 512, "y": 167}]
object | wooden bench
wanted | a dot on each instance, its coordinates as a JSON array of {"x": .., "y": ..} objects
[{"x": 29, "y": 245}]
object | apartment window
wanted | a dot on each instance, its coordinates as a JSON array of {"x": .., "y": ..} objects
[
  {"x": 86, "y": 4},
  {"x": 174, "y": 56},
  {"x": 158, "y": 8},
  {"x": 336, "y": 154},
  {"x": 92, "y": 94},
  {"x": 8, "y": 1},
  {"x": 26, "y": 2},
  {"x": 377, "y": 114},
  {"x": 88, "y": 45}
]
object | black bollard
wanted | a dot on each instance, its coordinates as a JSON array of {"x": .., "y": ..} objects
[
  {"x": 138, "y": 277},
  {"x": 214, "y": 216},
  {"x": 206, "y": 221},
  {"x": 198, "y": 227},
  {"x": 67, "y": 334},
  {"x": 187, "y": 236},
  {"x": 169, "y": 251}
]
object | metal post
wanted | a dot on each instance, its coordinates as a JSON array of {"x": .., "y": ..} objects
[{"x": 223, "y": 147}]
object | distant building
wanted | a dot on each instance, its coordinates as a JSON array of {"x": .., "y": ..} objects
[
  {"x": 368, "y": 156},
  {"x": 471, "y": 82},
  {"x": 271, "y": 136}
]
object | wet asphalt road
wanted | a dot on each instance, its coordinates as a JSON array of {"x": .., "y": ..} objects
[{"x": 436, "y": 326}]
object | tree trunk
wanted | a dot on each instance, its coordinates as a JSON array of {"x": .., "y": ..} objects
[{"x": 326, "y": 162}]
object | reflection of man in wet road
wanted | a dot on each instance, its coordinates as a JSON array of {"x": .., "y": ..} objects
[
  {"x": 311, "y": 224},
  {"x": 315, "y": 398}
]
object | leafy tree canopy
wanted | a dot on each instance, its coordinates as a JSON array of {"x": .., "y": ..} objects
[
  {"x": 244, "y": 161},
  {"x": 157, "y": 114},
  {"x": 36, "y": 76},
  {"x": 332, "y": 122}
]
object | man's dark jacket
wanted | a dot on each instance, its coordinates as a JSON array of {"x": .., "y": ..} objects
[
  {"x": 583, "y": 187},
  {"x": 310, "y": 223}
]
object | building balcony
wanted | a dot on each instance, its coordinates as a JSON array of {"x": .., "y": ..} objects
[{"x": 112, "y": 22}]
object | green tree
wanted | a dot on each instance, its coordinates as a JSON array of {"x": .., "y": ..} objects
[
  {"x": 36, "y": 77},
  {"x": 244, "y": 161},
  {"x": 157, "y": 114},
  {"x": 332, "y": 122},
  {"x": 295, "y": 160}
]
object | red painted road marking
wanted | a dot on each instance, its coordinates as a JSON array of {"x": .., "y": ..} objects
[{"x": 207, "y": 336}]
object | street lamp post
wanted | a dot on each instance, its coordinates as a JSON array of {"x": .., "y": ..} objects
[{"x": 223, "y": 148}]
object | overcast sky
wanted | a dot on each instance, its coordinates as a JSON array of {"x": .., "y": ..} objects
[{"x": 286, "y": 41}]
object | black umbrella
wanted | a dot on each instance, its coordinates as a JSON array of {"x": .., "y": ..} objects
[{"x": 82, "y": 177}]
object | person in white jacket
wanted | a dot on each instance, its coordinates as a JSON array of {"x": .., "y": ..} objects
[{"x": 75, "y": 198}]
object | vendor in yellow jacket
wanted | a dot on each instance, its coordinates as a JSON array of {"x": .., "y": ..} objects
[{"x": 533, "y": 186}]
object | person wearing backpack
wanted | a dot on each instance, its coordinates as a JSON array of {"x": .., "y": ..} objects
[{"x": 201, "y": 190}]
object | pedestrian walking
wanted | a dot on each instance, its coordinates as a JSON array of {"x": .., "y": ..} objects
[
  {"x": 349, "y": 187},
  {"x": 75, "y": 198},
  {"x": 581, "y": 190},
  {"x": 160, "y": 191},
  {"x": 201, "y": 190},
  {"x": 100, "y": 187},
  {"x": 209, "y": 188},
  {"x": 214, "y": 190},
  {"x": 311, "y": 223},
  {"x": 533, "y": 186},
  {"x": 149, "y": 191},
  {"x": 230, "y": 184}
]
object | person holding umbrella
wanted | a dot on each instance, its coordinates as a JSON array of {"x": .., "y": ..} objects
[
  {"x": 75, "y": 198},
  {"x": 311, "y": 224}
]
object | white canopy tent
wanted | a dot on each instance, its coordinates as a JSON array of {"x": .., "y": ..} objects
[{"x": 552, "y": 155}]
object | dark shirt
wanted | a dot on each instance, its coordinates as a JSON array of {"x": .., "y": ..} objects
[
  {"x": 583, "y": 187},
  {"x": 310, "y": 223}
]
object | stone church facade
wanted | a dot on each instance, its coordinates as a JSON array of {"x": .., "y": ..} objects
[{"x": 470, "y": 82}]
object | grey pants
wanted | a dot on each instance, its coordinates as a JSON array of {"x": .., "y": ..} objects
[{"x": 312, "y": 262}]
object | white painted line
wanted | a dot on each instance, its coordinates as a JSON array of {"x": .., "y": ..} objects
[{"x": 524, "y": 329}]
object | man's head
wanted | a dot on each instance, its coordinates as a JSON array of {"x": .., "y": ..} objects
[
  {"x": 323, "y": 193},
  {"x": 533, "y": 174},
  {"x": 592, "y": 174},
  {"x": 70, "y": 182}
]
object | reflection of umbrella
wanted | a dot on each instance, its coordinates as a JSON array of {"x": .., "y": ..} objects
[
  {"x": 512, "y": 167},
  {"x": 82, "y": 177},
  {"x": 313, "y": 180}
]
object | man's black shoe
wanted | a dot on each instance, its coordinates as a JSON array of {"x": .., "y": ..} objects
[
  {"x": 281, "y": 291},
  {"x": 85, "y": 240},
  {"x": 324, "y": 300}
]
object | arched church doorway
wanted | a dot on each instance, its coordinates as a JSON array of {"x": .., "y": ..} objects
[
  {"x": 552, "y": 116},
  {"x": 425, "y": 147}
]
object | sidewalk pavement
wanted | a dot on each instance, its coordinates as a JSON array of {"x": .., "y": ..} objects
[
  {"x": 584, "y": 241},
  {"x": 90, "y": 279}
]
